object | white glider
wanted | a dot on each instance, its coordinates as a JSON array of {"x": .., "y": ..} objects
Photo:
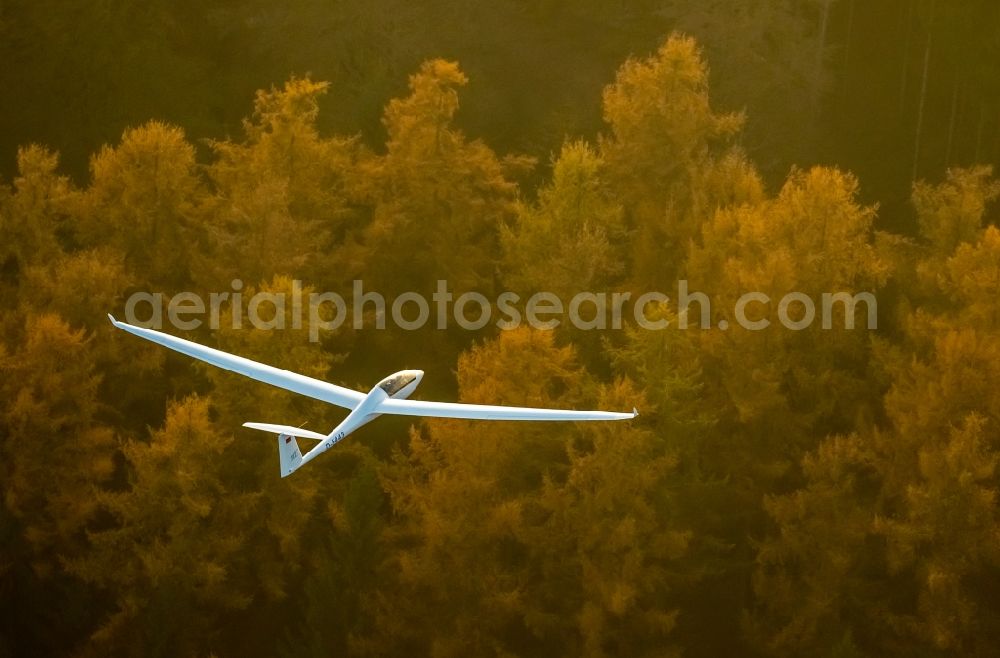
[{"x": 389, "y": 396}]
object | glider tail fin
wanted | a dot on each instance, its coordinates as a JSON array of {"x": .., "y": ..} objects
[
  {"x": 289, "y": 454},
  {"x": 288, "y": 448}
]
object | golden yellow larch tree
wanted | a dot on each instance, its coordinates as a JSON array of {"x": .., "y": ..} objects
[
  {"x": 462, "y": 491},
  {"x": 813, "y": 576},
  {"x": 663, "y": 144},
  {"x": 176, "y": 558},
  {"x": 32, "y": 214},
  {"x": 142, "y": 201},
  {"x": 56, "y": 451},
  {"x": 281, "y": 195},
  {"x": 893, "y": 540},
  {"x": 607, "y": 554},
  {"x": 432, "y": 190},
  {"x": 573, "y": 239},
  {"x": 952, "y": 212},
  {"x": 814, "y": 239}
]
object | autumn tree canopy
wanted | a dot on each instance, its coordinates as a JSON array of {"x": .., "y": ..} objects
[{"x": 823, "y": 491}]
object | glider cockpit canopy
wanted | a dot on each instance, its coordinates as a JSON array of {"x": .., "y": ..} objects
[{"x": 395, "y": 383}]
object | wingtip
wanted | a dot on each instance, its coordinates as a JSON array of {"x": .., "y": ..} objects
[
  {"x": 635, "y": 412},
  {"x": 112, "y": 318}
]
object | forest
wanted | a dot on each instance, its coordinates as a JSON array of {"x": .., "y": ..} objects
[{"x": 827, "y": 493}]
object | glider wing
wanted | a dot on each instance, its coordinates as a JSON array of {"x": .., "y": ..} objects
[
  {"x": 492, "y": 412},
  {"x": 290, "y": 381}
]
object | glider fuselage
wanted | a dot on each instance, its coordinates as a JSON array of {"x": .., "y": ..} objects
[{"x": 398, "y": 386}]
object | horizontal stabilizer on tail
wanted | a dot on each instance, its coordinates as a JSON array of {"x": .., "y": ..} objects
[{"x": 286, "y": 429}]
